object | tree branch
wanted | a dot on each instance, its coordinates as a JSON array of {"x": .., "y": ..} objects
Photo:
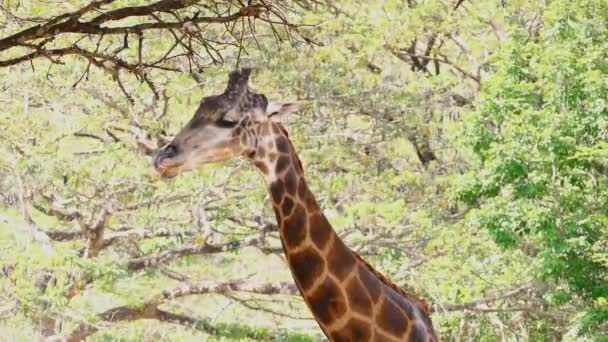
[
  {"x": 403, "y": 55},
  {"x": 69, "y": 23},
  {"x": 283, "y": 288},
  {"x": 150, "y": 309},
  {"x": 184, "y": 16},
  {"x": 487, "y": 300},
  {"x": 164, "y": 257}
]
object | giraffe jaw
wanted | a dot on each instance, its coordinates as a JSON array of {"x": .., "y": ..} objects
[{"x": 172, "y": 166}]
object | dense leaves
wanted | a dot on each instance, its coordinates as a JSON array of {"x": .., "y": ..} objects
[
  {"x": 458, "y": 146},
  {"x": 541, "y": 132}
]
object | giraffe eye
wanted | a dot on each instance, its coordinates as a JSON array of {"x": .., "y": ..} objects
[{"x": 226, "y": 123}]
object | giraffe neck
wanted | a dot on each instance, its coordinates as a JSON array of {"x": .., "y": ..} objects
[{"x": 347, "y": 297}]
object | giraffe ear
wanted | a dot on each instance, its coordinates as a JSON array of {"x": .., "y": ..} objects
[{"x": 280, "y": 111}]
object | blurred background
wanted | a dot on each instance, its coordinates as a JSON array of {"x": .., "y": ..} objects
[{"x": 459, "y": 146}]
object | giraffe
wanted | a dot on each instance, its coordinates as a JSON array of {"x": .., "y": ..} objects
[{"x": 348, "y": 298}]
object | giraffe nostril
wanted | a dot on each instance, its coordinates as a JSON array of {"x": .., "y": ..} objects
[
  {"x": 170, "y": 151},
  {"x": 167, "y": 152}
]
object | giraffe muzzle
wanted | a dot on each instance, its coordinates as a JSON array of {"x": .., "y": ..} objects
[{"x": 165, "y": 160}]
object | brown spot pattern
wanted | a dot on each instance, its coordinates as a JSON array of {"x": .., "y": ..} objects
[
  {"x": 265, "y": 130},
  {"x": 327, "y": 302},
  {"x": 339, "y": 336},
  {"x": 272, "y": 156},
  {"x": 277, "y": 190},
  {"x": 391, "y": 319},
  {"x": 275, "y": 129},
  {"x": 294, "y": 228},
  {"x": 331, "y": 300},
  {"x": 341, "y": 260},
  {"x": 418, "y": 333},
  {"x": 380, "y": 337},
  {"x": 358, "y": 298},
  {"x": 355, "y": 330},
  {"x": 311, "y": 204},
  {"x": 371, "y": 283},
  {"x": 287, "y": 206},
  {"x": 282, "y": 144},
  {"x": 291, "y": 182},
  {"x": 261, "y": 153},
  {"x": 262, "y": 167},
  {"x": 401, "y": 303},
  {"x": 307, "y": 266},
  {"x": 320, "y": 230},
  {"x": 250, "y": 154},
  {"x": 302, "y": 189},
  {"x": 282, "y": 163}
]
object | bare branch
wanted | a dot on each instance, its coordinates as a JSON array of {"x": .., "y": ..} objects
[
  {"x": 164, "y": 257},
  {"x": 77, "y": 28},
  {"x": 69, "y": 23},
  {"x": 482, "y": 305},
  {"x": 284, "y": 288},
  {"x": 404, "y": 54},
  {"x": 150, "y": 309}
]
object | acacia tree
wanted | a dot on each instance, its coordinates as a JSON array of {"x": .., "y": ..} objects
[
  {"x": 113, "y": 37},
  {"x": 125, "y": 42},
  {"x": 95, "y": 247}
]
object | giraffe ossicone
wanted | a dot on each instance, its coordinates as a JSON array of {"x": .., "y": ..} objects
[{"x": 348, "y": 298}]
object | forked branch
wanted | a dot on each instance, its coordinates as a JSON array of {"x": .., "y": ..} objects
[{"x": 102, "y": 23}]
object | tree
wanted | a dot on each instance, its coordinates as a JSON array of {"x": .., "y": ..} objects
[
  {"x": 95, "y": 245},
  {"x": 540, "y": 135},
  {"x": 112, "y": 36}
]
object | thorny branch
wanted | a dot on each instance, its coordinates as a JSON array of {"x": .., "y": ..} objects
[
  {"x": 190, "y": 22},
  {"x": 164, "y": 257}
]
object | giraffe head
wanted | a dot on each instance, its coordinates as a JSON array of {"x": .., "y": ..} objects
[{"x": 222, "y": 128}]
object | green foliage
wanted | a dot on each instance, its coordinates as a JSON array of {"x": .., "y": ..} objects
[
  {"x": 540, "y": 133},
  {"x": 516, "y": 198},
  {"x": 240, "y": 333}
]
